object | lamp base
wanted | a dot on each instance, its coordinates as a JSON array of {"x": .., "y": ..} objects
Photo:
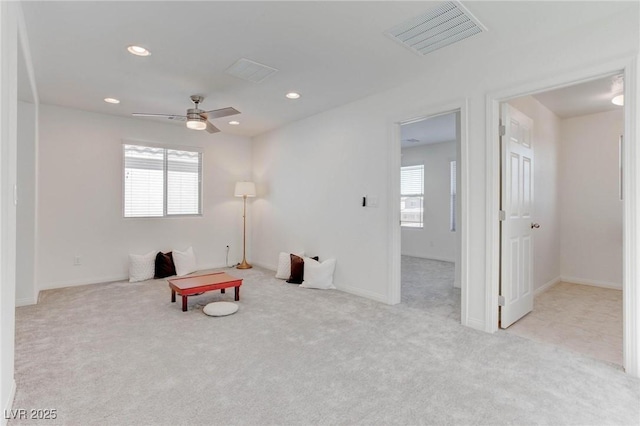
[{"x": 244, "y": 265}]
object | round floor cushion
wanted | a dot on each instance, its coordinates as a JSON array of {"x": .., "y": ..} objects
[{"x": 220, "y": 309}]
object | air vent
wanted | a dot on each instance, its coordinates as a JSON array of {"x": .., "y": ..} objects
[
  {"x": 437, "y": 28},
  {"x": 250, "y": 70}
]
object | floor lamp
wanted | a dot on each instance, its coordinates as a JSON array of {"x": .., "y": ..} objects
[{"x": 244, "y": 190}]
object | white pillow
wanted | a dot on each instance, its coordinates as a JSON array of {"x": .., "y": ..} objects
[
  {"x": 142, "y": 266},
  {"x": 185, "y": 261},
  {"x": 284, "y": 265},
  {"x": 318, "y": 275}
]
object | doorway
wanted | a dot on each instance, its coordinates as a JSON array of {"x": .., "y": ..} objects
[
  {"x": 429, "y": 213},
  {"x": 579, "y": 257}
]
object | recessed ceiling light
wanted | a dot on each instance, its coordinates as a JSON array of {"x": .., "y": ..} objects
[
  {"x": 139, "y": 51},
  {"x": 293, "y": 95},
  {"x": 112, "y": 100},
  {"x": 234, "y": 122}
]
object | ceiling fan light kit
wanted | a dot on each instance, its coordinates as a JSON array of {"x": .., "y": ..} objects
[
  {"x": 196, "y": 124},
  {"x": 196, "y": 118}
]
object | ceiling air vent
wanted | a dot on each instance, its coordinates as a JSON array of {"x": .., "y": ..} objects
[
  {"x": 250, "y": 70},
  {"x": 444, "y": 25}
]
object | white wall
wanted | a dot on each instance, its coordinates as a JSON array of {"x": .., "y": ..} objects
[
  {"x": 546, "y": 145},
  {"x": 591, "y": 208},
  {"x": 9, "y": 15},
  {"x": 314, "y": 172},
  {"x": 434, "y": 240},
  {"x": 80, "y": 197},
  {"x": 26, "y": 209}
]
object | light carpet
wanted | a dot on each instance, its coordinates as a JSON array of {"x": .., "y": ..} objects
[
  {"x": 122, "y": 354},
  {"x": 428, "y": 284},
  {"x": 582, "y": 318}
]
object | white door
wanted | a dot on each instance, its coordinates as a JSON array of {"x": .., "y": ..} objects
[{"x": 516, "y": 269}]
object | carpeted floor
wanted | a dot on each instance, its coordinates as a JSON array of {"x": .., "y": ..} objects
[
  {"x": 122, "y": 354},
  {"x": 428, "y": 284},
  {"x": 582, "y": 318}
]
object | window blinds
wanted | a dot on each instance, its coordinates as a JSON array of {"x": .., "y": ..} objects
[
  {"x": 412, "y": 181},
  {"x": 412, "y": 196},
  {"x": 183, "y": 182},
  {"x": 452, "y": 198},
  {"x": 160, "y": 182},
  {"x": 143, "y": 181}
]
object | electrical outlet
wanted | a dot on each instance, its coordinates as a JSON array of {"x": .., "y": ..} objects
[{"x": 77, "y": 260}]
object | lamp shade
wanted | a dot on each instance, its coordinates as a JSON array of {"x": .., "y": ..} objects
[{"x": 247, "y": 189}]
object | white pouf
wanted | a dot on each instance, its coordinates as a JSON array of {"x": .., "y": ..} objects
[{"x": 220, "y": 309}]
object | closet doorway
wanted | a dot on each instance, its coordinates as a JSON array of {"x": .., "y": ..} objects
[
  {"x": 577, "y": 272},
  {"x": 429, "y": 214}
]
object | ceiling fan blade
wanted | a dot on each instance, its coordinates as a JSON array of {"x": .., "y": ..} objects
[
  {"x": 167, "y": 116},
  {"x": 223, "y": 112},
  {"x": 211, "y": 128}
]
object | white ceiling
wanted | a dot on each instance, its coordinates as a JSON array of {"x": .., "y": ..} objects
[
  {"x": 331, "y": 52},
  {"x": 441, "y": 128},
  {"x": 580, "y": 99}
]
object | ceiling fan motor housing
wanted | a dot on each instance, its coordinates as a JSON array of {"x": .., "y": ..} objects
[{"x": 195, "y": 114}]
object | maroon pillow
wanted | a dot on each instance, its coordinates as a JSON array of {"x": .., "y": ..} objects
[
  {"x": 164, "y": 265},
  {"x": 297, "y": 269}
]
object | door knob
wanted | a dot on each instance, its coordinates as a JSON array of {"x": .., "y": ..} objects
[{"x": 535, "y": 225}]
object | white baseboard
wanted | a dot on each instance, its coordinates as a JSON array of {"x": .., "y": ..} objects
[
  {"x": 26, "y": 301},
  {"x": 594, "y": 283},
  {"x": 9, "y": 404},
  {"x": 266, "y": 266},
  {"x": 365, "y": 293},
  {"x": 103, "y": 280},
  {"x": 475, "y": 324},
  {"x": 547, "y": 286},
  {"x": 213, "y": 266},
  {"x": 422, "y": 256},
  {"x": 85, "y": 281}
]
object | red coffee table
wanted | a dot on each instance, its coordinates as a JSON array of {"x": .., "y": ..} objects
[{"x": 188, "y": 286}]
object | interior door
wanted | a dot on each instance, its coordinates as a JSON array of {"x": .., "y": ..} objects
[{"x": 516, "y": 263}]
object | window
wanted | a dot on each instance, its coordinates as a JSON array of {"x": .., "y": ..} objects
[
  {"x": 411, "y": 196},
  {"x": 452, "y": 197},
  {"x": 161, "y": 182}
]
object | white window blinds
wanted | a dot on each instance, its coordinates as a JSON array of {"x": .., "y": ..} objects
[
  {"x": 143, "y": 181},
  {"x": 452, "y": 197},
  {"x": 412, "y": 196},
  {"x": 183, "y": 182},
  {"x": 161, "y": 182}
]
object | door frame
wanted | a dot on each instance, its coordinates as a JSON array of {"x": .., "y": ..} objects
[
  {"x": 631, "y": 159},
  {"x": 393, "y": 209}
]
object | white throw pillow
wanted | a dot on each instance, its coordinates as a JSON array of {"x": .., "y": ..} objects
[
  {"x": 284, "y": 265},
  {"x": 318, "y": 275},
  {"x": 142, "y": 266},
  {"x": 185, "y": 261}
]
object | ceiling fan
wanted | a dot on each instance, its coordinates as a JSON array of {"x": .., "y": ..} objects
[{"x": 196, "y": 118}]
